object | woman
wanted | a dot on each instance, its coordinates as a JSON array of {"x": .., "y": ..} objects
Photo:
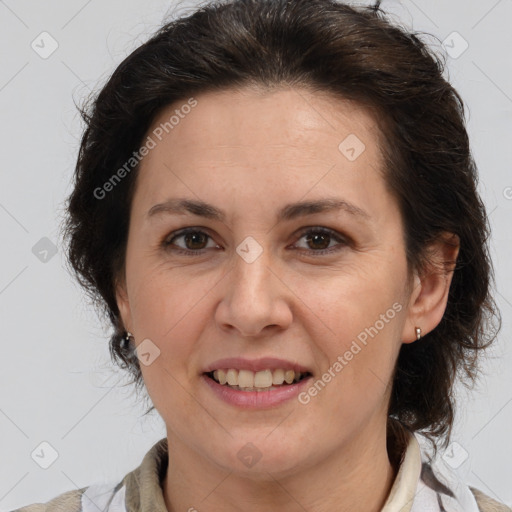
[{"x": 276, "y": 203}]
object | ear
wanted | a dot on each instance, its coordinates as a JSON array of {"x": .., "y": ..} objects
[
  {"x": 123, "y": 303},
  {"x": 429, "y": 294}
]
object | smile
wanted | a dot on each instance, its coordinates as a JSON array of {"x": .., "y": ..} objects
[{"x": 264, "y": 380}]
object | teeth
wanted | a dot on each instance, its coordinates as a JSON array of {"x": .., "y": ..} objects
[
  {"x": 252, "y": 381},
  {"x": 262, "y": 379},
  {"x": 220, "y": 376},
  {"x": 289, "y": 375},
  {"x": 278, "y": 377},
  {"x": 245, "y": 379},
  {"x": 232, "y": 377}
]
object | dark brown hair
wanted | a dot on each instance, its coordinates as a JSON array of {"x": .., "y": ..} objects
[{"x": 326, "y": 46}]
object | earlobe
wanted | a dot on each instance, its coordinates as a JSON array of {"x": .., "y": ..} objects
[{"x": 429, "y": 296}]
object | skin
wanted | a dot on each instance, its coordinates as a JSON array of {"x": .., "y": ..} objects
[{"x": 250, "y": 152}]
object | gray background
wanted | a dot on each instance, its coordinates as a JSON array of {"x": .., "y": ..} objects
[{"x": 57, "y": 384}]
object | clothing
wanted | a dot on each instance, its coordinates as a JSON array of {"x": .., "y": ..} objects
[{"x": 418, "y": 487}]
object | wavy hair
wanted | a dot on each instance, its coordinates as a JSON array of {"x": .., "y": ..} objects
[{"x": 327, "y": 46}]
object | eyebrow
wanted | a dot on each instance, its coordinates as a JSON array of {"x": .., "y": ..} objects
[{"x": 288, "y": 212}]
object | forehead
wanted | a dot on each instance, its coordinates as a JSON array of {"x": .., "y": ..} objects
[
  {"x": 255, "y": 118},
  {"x": 284, "y": 141}
]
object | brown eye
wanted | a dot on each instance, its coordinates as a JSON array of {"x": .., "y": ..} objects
[
  {"x": 318, "y": 241},
  {"x": 193, "y": 240}
]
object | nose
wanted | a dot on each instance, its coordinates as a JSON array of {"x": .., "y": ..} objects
[{"x": 255, "y": 300}]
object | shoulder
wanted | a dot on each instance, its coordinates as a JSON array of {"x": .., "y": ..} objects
[
  {"x": 487, "y": 504},
  {"x": 70, "y": 501},
  {"x": 142, "y": 485}
]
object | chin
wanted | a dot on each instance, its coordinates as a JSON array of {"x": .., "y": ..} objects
[{"x": 262, "y": 459}]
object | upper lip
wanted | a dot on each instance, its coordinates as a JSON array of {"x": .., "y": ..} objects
[{"x": 255, "y": 365}]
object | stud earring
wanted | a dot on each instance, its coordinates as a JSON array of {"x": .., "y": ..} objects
[
  {"x": 125, "y": 342},
  {"x": 418, "y": 333}
]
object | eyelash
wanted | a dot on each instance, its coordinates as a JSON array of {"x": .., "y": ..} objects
[{"x": 342, "y": 241}]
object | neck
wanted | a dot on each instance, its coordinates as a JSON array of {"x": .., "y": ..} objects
[{"x": 354, "y": 478}]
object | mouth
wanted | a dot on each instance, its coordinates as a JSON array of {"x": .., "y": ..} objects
[{"x": 263, "y": 380}]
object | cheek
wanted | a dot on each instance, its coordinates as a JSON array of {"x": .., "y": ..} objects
[
  {"x": 162, "y": 298},
  {"x": 168, "y": 307},
  {"x": 348, "y": 300},
  {"x": 169, "y": 311},
  {"x": 355, "y": 321}
]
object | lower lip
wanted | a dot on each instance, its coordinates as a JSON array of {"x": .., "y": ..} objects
[{"x": 256, "y": 399}]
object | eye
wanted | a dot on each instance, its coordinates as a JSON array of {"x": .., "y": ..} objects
[
  {"x": 193, "y": 239},
  {"x": 320, "y": 240}
]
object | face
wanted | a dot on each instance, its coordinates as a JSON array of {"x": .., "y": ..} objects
[{"x": 265, "y": 282}]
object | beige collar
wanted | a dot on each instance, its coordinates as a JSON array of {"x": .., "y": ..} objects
[{"x": 401, "y": 496}]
